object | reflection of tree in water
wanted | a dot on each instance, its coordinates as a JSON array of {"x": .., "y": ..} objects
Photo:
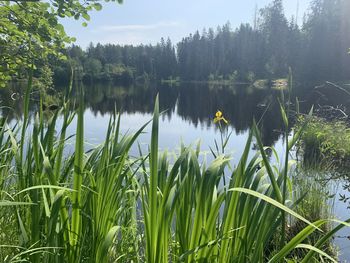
[
  {"x": 132, "y": 99},
  {"x": 240, "y": 105},
  {"x": 11, "y": 102},
  {"x": 196, "y": 103}
]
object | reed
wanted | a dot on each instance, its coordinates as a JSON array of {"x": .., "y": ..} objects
[{"x": 103, "y": 205}]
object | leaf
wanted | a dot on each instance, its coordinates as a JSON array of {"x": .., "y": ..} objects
[
  {"x": 326, "y": 238},
  {"x": 153, "y": 159},
  {"x": 97, "y": 6},
  {"x": 103, "y": 250},
  {"x": 78, "y": 169},
  {"x": 86, "y": 16},
  {"x": 322, "y": 253},
  {"x": 275, "y": 203},
  {"x": 10, "y": 203},
  {"x": 292, "y": 244},
  {"x": 46, "y": 204},
  {"x": 43, "y": 187},
  {"x": 267, "y": 164},
  {"x": 24, "y": 234},
  {"x": 284, "y": 115}
]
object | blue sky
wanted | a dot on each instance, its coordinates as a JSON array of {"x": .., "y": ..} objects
[{"x": 141, "y": 21}]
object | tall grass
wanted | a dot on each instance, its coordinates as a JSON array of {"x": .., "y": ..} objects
[
  {"x": 326, "y": 145},
  {"x": 102, "y": 205},
  {"x": 314, "y": 191}
]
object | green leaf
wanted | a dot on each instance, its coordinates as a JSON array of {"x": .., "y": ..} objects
[
  {"x": 292, "y": 244},
  {"x": 153, "y": 207},
  {"x": 86, "y": 16},
  {"x": 43, "y": 187},
  {"x": 78, "y": 170},
  {"x": 97, "y": 6},
  {"x": 103, "y": 250},
  {"x": 322, "y": 253},
  {"x": 284, "y": 115},
  {"x": 10, "y": 203},
  {"x": 275, "y": 203},
  {"x": 326, "y": 238}
]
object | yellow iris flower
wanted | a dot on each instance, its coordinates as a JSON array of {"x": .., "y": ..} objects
[{"x": 219, "y": 117}]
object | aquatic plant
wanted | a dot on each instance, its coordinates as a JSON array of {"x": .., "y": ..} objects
[{"x": 325, "y": 144}]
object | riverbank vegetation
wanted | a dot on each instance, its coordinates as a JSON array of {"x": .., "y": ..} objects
[
  {"x": 326, "y": 144},
  {"x": 106, "y": 204},
  {"x": 316, "y": 195}
]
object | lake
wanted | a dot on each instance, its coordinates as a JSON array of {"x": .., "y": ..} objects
[{"x": 188, "y": 113}]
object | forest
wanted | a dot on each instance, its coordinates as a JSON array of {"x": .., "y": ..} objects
[
  {"x": 182, "y": 168},
  {"x": 314, "y": 49}
]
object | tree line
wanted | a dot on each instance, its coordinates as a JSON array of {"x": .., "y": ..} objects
[
  {"x": 315, "y": 49},
  {"x": 122, "y": 64}
]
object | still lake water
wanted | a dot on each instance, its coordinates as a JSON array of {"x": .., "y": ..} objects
[{"x": 188, "y": 115}]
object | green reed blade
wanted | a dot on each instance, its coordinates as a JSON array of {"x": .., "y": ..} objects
[
  {"x": 315, "y": 249},
  {"x": 302, "y": 235},
  {"x": 325, "y": 239},
  {"x": 153, "y": 207},
  {"x": 78, "y": 175},
  {"x": 274, "y": 203},
  {"x": 267, "y": 164}
]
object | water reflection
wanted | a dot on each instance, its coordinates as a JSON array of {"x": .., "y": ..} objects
[
  {"x": 194, "y": 103},
  {"x": 189, "y": 111}
]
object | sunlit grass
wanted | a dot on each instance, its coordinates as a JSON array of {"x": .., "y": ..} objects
[{"x": 325, "y": 144}]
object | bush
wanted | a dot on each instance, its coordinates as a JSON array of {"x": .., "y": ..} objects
[{"x": 325, "y": 143}]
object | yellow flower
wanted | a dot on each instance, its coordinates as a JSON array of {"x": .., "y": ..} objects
[
  {"x": 219, "y": 117},
  {"x": 218, "y": 114}
]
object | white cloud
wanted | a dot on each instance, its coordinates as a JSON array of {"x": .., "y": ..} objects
[
  {"x": 128, "y": 39},
  {"x": 138, "y": 27},
  {"x": 134, "y": 34}
]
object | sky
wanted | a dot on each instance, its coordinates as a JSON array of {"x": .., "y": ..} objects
[{"x": 140, "y": 21}]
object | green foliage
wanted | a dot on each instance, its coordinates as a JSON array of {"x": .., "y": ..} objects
[
  {"x": 263, "y": 51},
  {"x": 30, "y": 32},
  {"x": 275, "y": 29},
  {"x": 23, "y": 44},
  {"x": 44, "y": 79},
  {"x": 121, "y": 64},
  {"x": 273, "y": 44},
  {"x": 260, "y": 51},
  {"x": 314, "y": 191},
  {"x": 326, "y": 143},
  {"x": 328, "y": 20},
  {"x": 93, "y": 67},
  {"x": 85, "y": 206},
  {"x": 66, "y": 224}
]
